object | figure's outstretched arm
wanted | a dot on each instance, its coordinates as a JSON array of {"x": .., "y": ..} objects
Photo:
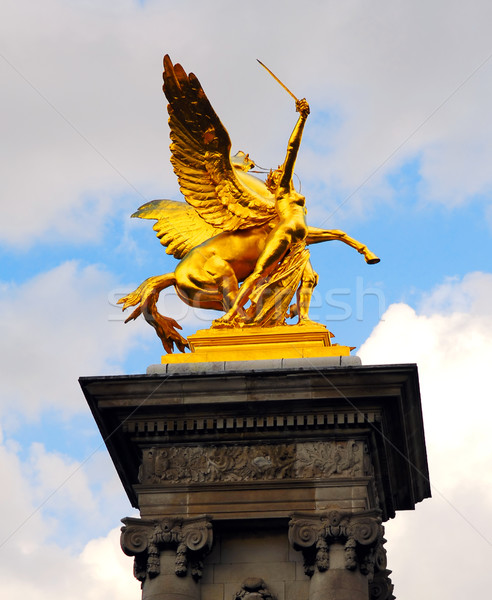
[{"x": 302, "y": 108}]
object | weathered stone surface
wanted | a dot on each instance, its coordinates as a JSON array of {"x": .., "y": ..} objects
[
  {"x": 212, "y": 591},
  {"x": 297, "y": 590},
  {"x": 265, "y": 546}
]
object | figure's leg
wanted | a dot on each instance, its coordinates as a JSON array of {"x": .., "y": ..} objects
[
  {"x": 228, "y": 287},
  {"x": 316, "y": 236},
  {"x": 275, "y": 250},
  {"x": 309, "y": 281}
]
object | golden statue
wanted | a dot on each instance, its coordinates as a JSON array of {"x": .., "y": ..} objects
[{"x": 233, "y": 227}]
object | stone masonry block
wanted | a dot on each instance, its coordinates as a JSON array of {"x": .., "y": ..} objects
[
  {"x": 212, "y": 591},
  {"x": 297, "y": 590},
  {"x": 269, "y": 571},
  {"x": 300, "y": 574},
  {"x": 258, "y": 547}
]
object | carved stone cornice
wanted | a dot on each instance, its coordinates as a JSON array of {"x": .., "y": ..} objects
[
  {"x": 319, "y": 460},
  {"x": 245, "y": 404},
  {"x": 279, "y": 421},
  {"x": 145, "y": 539},
  {"x": 361, "y": 534}
]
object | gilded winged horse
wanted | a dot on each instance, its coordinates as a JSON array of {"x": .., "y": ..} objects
[{"x": 233, "y": 228}]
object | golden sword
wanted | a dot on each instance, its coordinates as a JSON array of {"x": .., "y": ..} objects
[{"x": 278, "y": 80}]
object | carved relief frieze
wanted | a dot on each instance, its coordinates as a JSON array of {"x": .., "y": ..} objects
[
  {"x": 237, "y": 463},
  {"x": 360, "y": 533},
  {"x": 318, "y": 460},
  {"x": 190, "y": 538}
]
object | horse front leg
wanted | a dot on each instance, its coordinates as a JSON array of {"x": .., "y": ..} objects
[{"x": 316, "y": 236}]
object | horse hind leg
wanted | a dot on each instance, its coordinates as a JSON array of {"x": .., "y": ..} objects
[
  {"x": 146, "y": 296},
  {"x": 214, "y": 286}
]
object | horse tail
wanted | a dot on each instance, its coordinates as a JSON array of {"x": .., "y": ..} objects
[{"x": 146, "y": 296}]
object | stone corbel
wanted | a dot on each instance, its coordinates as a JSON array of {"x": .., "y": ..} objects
[
  {"x": 145, "y": 539},
  {"x": 253, "y": 588},
  {"x": 361, "y": 534}
]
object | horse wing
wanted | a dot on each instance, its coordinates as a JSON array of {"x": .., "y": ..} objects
[
  {"x": 201, "y": 158},
  {"x": 179, "y": 227}
]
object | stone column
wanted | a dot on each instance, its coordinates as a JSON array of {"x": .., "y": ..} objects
[
  {"x": 168, "y": 555},
  {"x": 342, "y": 554}
]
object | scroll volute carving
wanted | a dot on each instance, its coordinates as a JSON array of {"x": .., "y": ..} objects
[
  {"x": 361, "y": 535},
  {"x": 191, "y": 539}
]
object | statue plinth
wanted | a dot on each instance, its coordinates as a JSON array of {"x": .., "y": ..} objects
[
  {"x": 289, "y": 468},
  {"x": 257, "y": 343}
]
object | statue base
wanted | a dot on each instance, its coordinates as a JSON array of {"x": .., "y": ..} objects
[
  {"x": 257, "y": 343},
  {"x": 290, "y": 469}
]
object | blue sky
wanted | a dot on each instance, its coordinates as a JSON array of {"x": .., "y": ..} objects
[{"x": 396, "y": 152}]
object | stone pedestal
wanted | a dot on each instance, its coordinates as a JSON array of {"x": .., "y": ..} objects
[{"x": 264, "y": 480}]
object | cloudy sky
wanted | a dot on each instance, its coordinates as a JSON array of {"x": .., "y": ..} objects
[{"x": 397, "y": 152}]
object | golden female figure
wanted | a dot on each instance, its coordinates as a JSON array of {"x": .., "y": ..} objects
[{"x": 291, "y": 228}]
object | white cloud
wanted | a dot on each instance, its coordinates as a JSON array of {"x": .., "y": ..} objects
[
  {"x": 64, "y": 323},
  {"x": 50, "y": 325},
  {"x": 379, "y": 71},
  {"x": 46, "y": 571},
  {"x": 449, "y": 337},
  {"x": 111, "y": 571},
  {"x": 51, "y": 508}
]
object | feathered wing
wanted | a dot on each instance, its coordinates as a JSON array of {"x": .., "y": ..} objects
[
  {"x": 201, "y": 158},
  {"x": 178, "y": 226}
]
